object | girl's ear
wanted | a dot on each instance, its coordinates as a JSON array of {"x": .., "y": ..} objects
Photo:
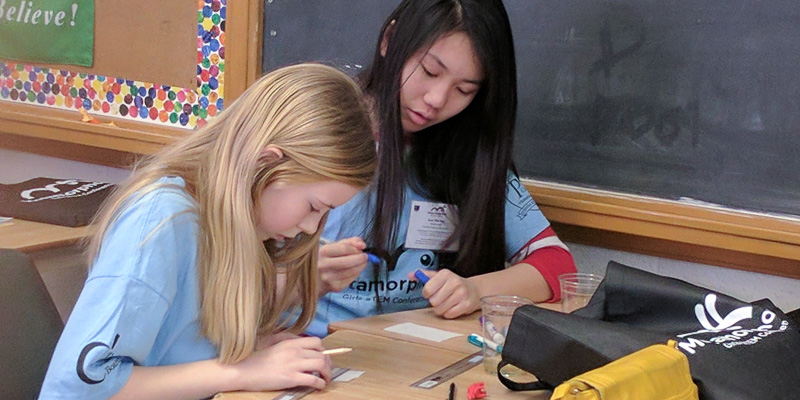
[
  {"x": 271, "y": 153},
  {"x": 385, "y": 39}
]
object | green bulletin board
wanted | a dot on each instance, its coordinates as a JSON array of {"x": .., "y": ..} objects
[{"x": 47, "y": 31}]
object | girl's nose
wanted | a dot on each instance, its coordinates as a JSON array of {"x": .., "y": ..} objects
[
  {"x": 436, "y": 96},
  {"x": 310, "y": 224}
]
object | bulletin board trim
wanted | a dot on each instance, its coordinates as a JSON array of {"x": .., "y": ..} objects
[
  {"x": 126, "y": 40},
  {"x": 151, "y": 114}
]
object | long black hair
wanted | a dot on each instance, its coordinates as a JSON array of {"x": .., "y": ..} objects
[{"x": 463, "y": 160}]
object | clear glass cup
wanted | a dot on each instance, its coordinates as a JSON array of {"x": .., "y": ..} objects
[
  {"x": 496, "y": 312},
  {"x": 576, "y": 289}
]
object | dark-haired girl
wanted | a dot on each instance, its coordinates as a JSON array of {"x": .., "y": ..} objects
[{"x": 442, "y": 87}]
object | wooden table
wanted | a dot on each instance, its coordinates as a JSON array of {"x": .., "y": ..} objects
[
  {"x": 29, "y": 236},
  {"x": 465, "y": 325},
  {"x": 390, "y": 367}
]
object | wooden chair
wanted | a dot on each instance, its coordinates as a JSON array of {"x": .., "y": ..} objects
[{"x": 29, "y": 327}]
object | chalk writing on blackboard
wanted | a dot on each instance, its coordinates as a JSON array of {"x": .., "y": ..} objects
[{"x": 670, "y": 99}]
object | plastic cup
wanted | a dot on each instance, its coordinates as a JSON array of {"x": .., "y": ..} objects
[
  {"x": 576, "y": 289},
  {"x": 496, "y": 312}
]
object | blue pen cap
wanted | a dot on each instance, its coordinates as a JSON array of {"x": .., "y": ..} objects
[
  {"x": 473, "y": 338},
  {"x": 373, "y": 258},
  {"x": 421, "y": 276}
]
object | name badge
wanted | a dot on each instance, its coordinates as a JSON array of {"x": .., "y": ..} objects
[{"x": 430, "y": 225}]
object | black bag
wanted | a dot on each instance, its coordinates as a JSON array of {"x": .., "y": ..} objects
[
  {"x": 736, "y": 350},
  {"x": 68, "y": 202}
]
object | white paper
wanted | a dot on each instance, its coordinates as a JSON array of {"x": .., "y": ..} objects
[
  {"x": 422, "y": 332},
  {"x": 348, "y": 376}
]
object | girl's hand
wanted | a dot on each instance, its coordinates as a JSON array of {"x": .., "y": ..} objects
[
  {"x": 450, "y": 295},
  {"x": 340, "y": 263},
  {"x": 270, "y": 340},
  {"x": 287, "y": 364}
]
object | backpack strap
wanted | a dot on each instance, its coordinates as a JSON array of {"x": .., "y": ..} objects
[{"x": 519, "y": 386}]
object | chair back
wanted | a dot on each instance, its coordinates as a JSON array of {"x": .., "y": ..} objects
[{"x": 30, "y": 326}]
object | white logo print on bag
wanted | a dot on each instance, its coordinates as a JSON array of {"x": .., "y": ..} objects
[
  {"x": 722, "y": 323},
  {"x": 737, "y": 328},
  {"x": 85, "y": 189}
]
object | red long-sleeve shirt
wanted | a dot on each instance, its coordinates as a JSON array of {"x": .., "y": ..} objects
[{"x": 548, "y": 254}]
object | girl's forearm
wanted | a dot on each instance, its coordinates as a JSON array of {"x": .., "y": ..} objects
[
  {"x": 519, "y": 280},
  {"x": 195, "y": 380}
]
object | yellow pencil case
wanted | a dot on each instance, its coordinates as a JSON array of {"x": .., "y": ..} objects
[{"x": 658, "y": 372}]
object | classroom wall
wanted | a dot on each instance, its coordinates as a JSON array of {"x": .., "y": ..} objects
[
  {"x": 784, "y": 292},
  {"x": 17, "y": 166}
]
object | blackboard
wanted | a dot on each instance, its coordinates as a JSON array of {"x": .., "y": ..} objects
[
  {"x": 342, "y": 33},
  {"x": 680, "y": 99}
]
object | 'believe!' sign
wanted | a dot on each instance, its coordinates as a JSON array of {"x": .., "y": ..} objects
[{"x": 47, "y": 31}]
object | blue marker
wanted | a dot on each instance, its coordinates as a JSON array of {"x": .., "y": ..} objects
[
  {"x": 421, "y": 276},
  {"x": 480, "y": 341},
  {"x": 370, "y": 257},
  {"x": 373, "y": 258},
  {"x": 473, "y": 339}
]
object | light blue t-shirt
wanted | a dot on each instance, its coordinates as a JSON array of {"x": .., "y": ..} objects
[
  {"x": 140, "y": 304},
  {"x": 523, "y": 221}
]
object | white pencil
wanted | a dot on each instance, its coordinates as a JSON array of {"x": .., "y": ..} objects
[{"x": 340, "y": 350}]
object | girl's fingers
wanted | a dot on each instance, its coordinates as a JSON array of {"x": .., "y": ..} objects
[
  {"x": 310, "y": 380},
  {"x": 327, "y": 372},
  {"x": 343, "y": 247},
  {"x": 314, "y": 363},
  {"x": 457, "y": 310},
  {"x": 305, "y": 346},
  {"x": 311, "y": 342},
  {"x": 356, "y": 242},
  {"x": 337, "y": 272},
  {"x": 344, "y": 262},
  {"x": 449, "y": 294},
  {"x": 443, "y": 306},
  {"x": 440, "y": 286}
]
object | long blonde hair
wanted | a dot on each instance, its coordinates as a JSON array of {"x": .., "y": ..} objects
[{"x": 317, "y": 116}]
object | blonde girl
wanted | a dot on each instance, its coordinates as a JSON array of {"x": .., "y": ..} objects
[{"x": 195, "y": 255}]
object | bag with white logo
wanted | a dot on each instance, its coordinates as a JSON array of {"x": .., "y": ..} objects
[
  {"x": 67, "y": 202},
  {"x": 736, "y": 350}
]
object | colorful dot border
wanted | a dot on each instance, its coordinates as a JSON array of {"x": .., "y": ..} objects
[{"x": 128, "y": 99}]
